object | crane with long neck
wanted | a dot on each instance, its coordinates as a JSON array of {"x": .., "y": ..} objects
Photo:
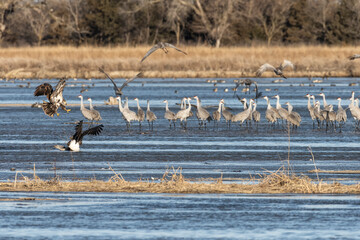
[{"x": 169, "y": 115}]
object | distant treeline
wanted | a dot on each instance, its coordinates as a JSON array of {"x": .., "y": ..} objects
[{"x": 210, "y": 22}]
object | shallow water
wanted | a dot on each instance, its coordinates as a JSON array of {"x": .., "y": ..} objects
[
  {"x": 175, "y": 216},
  {"x": 27, "y": 137}
]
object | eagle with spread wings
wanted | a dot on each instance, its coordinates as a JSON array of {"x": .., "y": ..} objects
[{"x": 55, "y": 97}]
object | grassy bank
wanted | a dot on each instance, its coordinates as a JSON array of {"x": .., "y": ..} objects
[
  {"x": 269, "y": 183},
  {"x": 83, "y": 62}
]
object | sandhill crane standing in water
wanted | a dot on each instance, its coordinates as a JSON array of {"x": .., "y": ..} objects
[
  {"x": 352, "y": 106},
  {"x": 341, "y": 116},
  {"x": 255, "y": 115},
  {"x": 76, "y": 140},
  {"x": 140, "y": 113},
  {"x": 329, "y": 116},
  {"x": 162, "y": 46},
  {"x": 278, "y": 71},
  {"x": 169, "y": 115},
  {"x": 249, "y": 119},
  {"x": 293, "y": 117},
  {"x": 96, "y": 114},
  {"x": 319, "y": 116},
  {"x": 55, "y": 97},
  {"x": 311, "y": 109},
  {"x": 87, "y": 113},
  {"x": 282, "y": 112},
  {"x": 271, "y": 113},
  {"x": 227, "y": 115},
  {"x": 118, "y": 91},
  {"x": 326, "y": 106},
  {"x": 183, "y": 106},
  {"x": 244, "y": 115},
  {"x": 202, "y": 114},
  {"x": 217, "y": 113},
  {"x": 128, "y": 115},
  {"x": 183, "y": 114},
  {"x": 355, "y": 111},
  {"x": 150, "y": 116}
]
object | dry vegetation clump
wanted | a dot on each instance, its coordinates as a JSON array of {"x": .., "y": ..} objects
[
  {"x": 201, "y": 61},
  {"x": 174, "y": 182}
]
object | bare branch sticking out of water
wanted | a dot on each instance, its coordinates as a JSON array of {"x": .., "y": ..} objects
[
  {"x": 116, "y": 174},
  {"x": 313, "y": 160}
]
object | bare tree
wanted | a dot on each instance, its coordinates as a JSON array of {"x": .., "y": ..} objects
[
  {"x": 151, "y": 14},
  {"x": 213, "y": 16},
  {"x": 269, "y": 14},
  {"x": 37, "y": 14},
  {"x": 5, "y": 7},
  {"x": 321, "y": 12},
  {"x": 76, "y": 9},
  {"x": 176, "y": 17}
]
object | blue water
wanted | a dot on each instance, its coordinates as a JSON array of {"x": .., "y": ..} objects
[
  {"x": 27, "y": 137},
  {"x": 179, "y": 216}
]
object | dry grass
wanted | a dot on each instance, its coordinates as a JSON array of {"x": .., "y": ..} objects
[
  {"x": 174, "y": 182},
  {"x": 83, "y": 62}
]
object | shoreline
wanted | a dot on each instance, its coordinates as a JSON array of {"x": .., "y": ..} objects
[
  {"x": 201, "y": 62},
  {"x": 173, "y": 74}
]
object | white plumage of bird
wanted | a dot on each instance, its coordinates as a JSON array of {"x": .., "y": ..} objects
[{"x": 76, "y": 140}]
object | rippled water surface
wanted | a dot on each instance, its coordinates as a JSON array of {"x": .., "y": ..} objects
[
  {"x": 27, "y": 137},
  {"x": 165, "y": 216}
]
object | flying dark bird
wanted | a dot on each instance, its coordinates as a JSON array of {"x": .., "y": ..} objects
[
  {"x": 162, "y": 46},
  {"x": 76, "y": 140},
  {"x": 55, "y": 97},
  {"x": 247, "y": 82},
  {"x": 277, "y": 71},
  {"x": 118, "y": 91},
  {"x": 355, "y": 56}
]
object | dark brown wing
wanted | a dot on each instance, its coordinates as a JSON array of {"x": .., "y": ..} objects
[
  {"x": 49, "y": 108},
  {"x": 44, "y": 89},
  {"x": 92, "y": 131},
  {"x": 172, "y": 46},
  {"x": 78, "y": 131},
  {"x": 130, "y": 80},
  {"x": 153, "y": 49},
  {"x": 116, "y": 89}
]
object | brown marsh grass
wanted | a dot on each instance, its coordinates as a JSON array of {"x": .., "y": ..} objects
[
  {"x": 173, "y": 181},
  {"x": 201, "y": 61}
]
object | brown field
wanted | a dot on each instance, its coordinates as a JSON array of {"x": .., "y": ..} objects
[
  {"x": 174, "y": 182},
  {"x": 123, "y": 62}
]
